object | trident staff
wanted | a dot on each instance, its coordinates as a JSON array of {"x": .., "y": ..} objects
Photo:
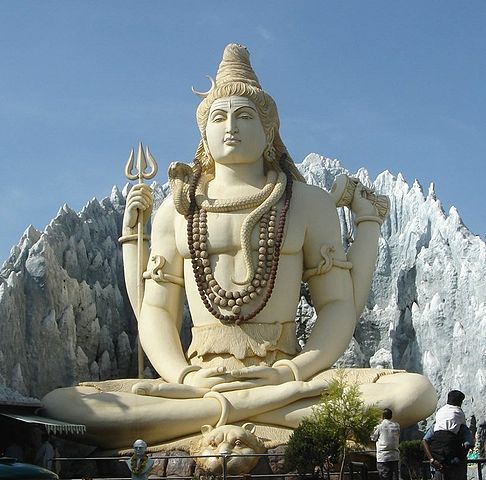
[{"x": 137, "y": 171}]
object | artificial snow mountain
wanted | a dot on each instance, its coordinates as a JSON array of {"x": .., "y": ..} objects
[{"x": 65, "y": 316}]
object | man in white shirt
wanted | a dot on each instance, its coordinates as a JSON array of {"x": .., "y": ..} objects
[
  {"x": 450, "y": 417},
  {"x": 446, "y": 443},
  {"x": 387, "y": 438}
]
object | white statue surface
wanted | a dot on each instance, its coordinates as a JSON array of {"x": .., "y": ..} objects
[
  {"x": 232, "y": 441},
  {"x": 238, "y": 235}
]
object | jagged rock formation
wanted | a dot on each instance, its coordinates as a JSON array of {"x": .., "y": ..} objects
[
  {"x": 427, "y": 309},
  {"x": 65, "y": 317}
]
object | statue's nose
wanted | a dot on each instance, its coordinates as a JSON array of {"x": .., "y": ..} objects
[
  {"x": 225, "y": 448},
  {"x": 231, "y": 127}
]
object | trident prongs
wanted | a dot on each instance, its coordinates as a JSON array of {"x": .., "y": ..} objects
[
  {"x": 145, "y": 160},
  {"x": 151, "y": 163},
  {"x": 129, "y": 166}
]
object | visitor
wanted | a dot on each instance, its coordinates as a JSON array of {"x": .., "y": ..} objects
[
  {"x": 46, "y": 453},
  {"x": 448, "y": 441},
  {"x": 387, "y": 438}
]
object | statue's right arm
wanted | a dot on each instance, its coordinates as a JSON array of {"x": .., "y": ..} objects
[
  {"x": 161, "y": 313},
  {"x": 138, "y": 208}
]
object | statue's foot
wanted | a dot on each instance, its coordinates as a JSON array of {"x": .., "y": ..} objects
[
  {"x": 315, "y": 387},
  {"x": 410, "y": 396},
  {"x": 168, "y": 390}
]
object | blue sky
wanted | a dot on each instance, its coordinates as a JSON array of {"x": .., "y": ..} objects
[{"x": 397, "y": 85}]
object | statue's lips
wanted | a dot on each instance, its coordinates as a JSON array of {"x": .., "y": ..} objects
[{"x": 231, "y": 141}]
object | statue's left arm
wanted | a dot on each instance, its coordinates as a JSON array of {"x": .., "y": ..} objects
[
  {"x": 339, "y": 284},
  {"x": 363, "y": 251}
]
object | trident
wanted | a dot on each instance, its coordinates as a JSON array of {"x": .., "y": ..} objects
[{"x": 144, "y": 160}]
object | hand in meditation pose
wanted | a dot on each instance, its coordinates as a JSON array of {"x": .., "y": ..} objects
[{"x": 237, "y": 236}]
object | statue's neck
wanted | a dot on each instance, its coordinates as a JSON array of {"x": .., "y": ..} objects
[{"x": 235, "y": 180}]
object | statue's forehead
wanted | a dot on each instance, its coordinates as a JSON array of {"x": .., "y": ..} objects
[{"x": 229, "y": 103}]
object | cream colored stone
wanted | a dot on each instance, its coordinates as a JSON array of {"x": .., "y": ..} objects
[
  {"x": 228, "y": 440},
  {"x": 241, "y": 364}
]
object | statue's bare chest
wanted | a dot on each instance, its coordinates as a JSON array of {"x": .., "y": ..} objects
[{"x": 224, "y": 234}]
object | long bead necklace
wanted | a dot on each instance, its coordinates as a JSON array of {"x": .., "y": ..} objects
[{"x": 263, "y": 279}]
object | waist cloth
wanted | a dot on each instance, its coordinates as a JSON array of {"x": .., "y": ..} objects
[{"x": 237, "y": 346}]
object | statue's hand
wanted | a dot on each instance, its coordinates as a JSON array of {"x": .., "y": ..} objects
[
  {"x": 208, "y": 377},
  {"x": 361, "y": 204},
  {"x": 367, "y": 203},
  {"x": 139, "y": 202},
  {"x": 255, "y": 376}
]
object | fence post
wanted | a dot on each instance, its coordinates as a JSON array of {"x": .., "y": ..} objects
[{"x": 225, "y": 473}]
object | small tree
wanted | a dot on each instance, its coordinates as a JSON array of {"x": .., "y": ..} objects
[{"x": 340, "y": 418}]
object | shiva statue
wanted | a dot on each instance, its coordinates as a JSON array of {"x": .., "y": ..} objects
[{"x": 239, "y": 233}]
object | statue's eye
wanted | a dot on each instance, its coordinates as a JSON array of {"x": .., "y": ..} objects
[
  {"x": 212, "y": 443},
  {"x": 238, "y": 443},
  {"x": 218, "y": 117}
]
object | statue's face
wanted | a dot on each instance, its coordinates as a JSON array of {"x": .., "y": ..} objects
[
  {"x": 234, "y": 131},
  {"x": 139, "y": 448}
]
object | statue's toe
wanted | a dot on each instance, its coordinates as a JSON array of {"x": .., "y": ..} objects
[{"x": 142, "y": 388}]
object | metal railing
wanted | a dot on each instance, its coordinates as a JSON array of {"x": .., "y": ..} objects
[
  {"x": 480, "y": 462},
  {"x": 357, "y": 470},
  {"x": 224, "y": 475}
]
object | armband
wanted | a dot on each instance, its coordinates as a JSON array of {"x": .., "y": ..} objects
[
  {"x": 158, "y": 275},
  {"x": 289, "y": 364},
  {"x": 225, "y": 406},
  {"x": 369, "y": 218},
  {"x": 131, "y": 238},
  {"x": 328, "y": 261}
]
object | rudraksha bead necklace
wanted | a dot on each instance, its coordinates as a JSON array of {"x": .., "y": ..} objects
[{"x": 263, "y": 279}]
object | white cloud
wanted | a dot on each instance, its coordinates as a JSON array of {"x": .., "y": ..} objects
[{"x": 265, "y": 33}]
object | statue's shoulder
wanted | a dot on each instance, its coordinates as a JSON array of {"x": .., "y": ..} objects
[
  {"x": 165, "y": 215},
  {"x": 166, "y": 208},
  {"x": 312, "y": 197}
]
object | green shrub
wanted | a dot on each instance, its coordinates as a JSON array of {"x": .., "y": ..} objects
[
  {"x": 322, "y": 439},
  {"x": 411, "y": 458},
  {"x": 313, "y": 448}
]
